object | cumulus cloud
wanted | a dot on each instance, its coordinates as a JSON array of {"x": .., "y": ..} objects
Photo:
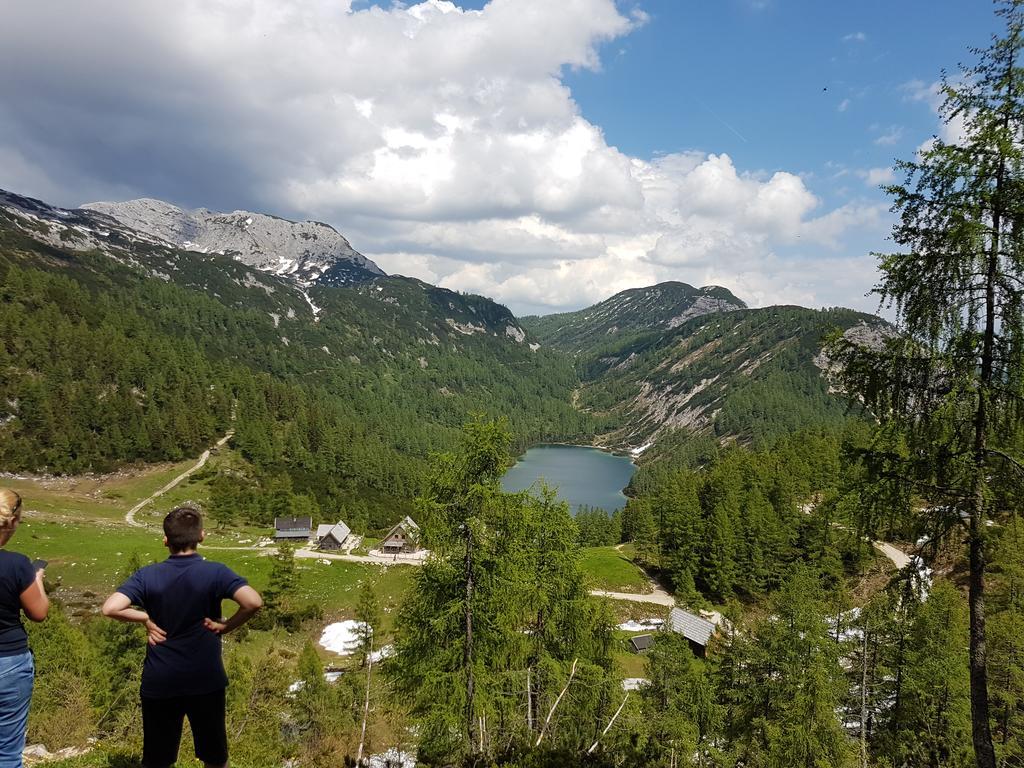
[
  {"x": 443, "y": 142},
  {"x": 874, "y": 177},
  {"x": 855, "y": 37}
]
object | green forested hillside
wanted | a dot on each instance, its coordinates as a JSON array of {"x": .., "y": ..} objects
[
  {"x": 752, "y": 375},
  {"x": 134, "y": 351},
  {"x": 638, "y": 310}
]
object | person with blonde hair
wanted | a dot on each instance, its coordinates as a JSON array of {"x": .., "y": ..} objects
[{"x": 21, "y": 589}]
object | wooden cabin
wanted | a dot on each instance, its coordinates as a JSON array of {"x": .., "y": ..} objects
[
  {"x": 330, "y": 537},
  {"x": 297, "y": 529},
  {"x": 403, "y": 538},
  {"x": 696, "y": 630}
]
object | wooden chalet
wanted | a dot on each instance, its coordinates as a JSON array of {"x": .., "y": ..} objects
[
  {"x": 696, "y": 630},
  {"x": 332, "y": 536},
  {"x": 403, "y": 538},
  {"x": 297, "y": 529}
]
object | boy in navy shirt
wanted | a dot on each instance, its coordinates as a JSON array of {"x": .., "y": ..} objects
[{"x": 179, "y": 602}]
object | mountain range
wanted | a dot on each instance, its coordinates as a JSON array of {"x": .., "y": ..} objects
[
  {"x": 307, "y": 251},
  {"x": 289, "y": 315}
]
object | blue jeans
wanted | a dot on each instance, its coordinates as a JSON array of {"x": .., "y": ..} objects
[{"x": 16, "y": 676}]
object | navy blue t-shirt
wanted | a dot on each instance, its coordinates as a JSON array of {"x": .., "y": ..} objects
[
  {"x": 16, "y": 574},
  {"x": 178, "y": 594}
]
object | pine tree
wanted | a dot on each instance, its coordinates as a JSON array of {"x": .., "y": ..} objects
[
  {"x": 785, "y": 684},
  {"x": 467, "y": 526},
  {"x": 368, "y": 616},
  {"x": 280, "y": 592},
  {"x": 1006, "y": 636},
  {"x": 954, "y": 381},
  {"x": 718, "y": 556},
  {"x": 934, "y": 718},
  {"x": 682, "y": 702}
]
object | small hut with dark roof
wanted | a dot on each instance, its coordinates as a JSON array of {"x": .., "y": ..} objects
[
  {"x": 641, "y": 643},
  {"x": 293, "y": 528}
]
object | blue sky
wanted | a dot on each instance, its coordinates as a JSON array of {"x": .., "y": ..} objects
[
  {"x": 546, "y": 153},
  {"x": 696, "y": 67}
]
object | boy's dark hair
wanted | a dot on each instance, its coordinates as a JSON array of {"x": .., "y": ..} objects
[{"x": 183, "y": 528}]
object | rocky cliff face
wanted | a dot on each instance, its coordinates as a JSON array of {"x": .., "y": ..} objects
[{"x": 306, "y": 251}]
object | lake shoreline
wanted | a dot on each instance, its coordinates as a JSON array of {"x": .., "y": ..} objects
[
  {"x": 610, "y": 451},
  {"x": 584, "y": 475}
]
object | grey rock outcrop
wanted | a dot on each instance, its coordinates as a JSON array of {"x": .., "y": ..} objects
[{"x": 306, "y": 251}]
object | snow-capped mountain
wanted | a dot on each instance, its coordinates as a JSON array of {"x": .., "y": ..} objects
[{"x": 306, "y": 251}]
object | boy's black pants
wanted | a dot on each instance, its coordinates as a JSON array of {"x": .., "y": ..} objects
[{"x": 162, "y": 720}]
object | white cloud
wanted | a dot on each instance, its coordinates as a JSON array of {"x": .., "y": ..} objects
[
  {"x": 875, "y": 177},
  {"x": 855, "y": 37},
  {"x": 890, "y": 136},
  {"x": 443, "y": 142},
  {"x": 843, "y": 105}
]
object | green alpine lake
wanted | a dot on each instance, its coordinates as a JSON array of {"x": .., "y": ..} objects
[{"x": 583, "y": 476}]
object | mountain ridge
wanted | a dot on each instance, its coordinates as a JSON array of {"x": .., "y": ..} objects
[
  {"x": 663, "y": 306},
  {"x": 629, "y": 369},
  {"x": 310, "y": 252}
]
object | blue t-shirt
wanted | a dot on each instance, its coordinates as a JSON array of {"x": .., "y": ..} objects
[
  {"x": 178, "y": 594},
  {"x": 16, "y": 575}
]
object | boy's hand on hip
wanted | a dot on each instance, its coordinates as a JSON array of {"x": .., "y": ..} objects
[
  {"x": 217, "y": 627},
  {"x": 154, "y": 633}
]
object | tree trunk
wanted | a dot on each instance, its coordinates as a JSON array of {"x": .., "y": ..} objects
[
  {"x": 551, "y": 712},
  {"x": 366, "y": 704},
  {"x": 981, "y": 731},
  {"x": 529, "y": 703},
  {"x": 610, "y": 724},
  {"x": 864, "y": 700},
  {"x": 467, "y": 650}
]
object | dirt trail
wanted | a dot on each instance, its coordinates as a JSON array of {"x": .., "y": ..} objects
[
  {"x": 898, "y": 557},
  {"x": 413, "y": 558},
  {"x": 130, "y": 515},
  {"x": 658, "y": 597}
]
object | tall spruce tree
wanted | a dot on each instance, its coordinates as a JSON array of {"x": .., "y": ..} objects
[
  {"x": 954, "y": 378},
  {"x": 466, "y": 524},
  {"x": 499, "y": 649},
  {"x": 782, "y": 683}
]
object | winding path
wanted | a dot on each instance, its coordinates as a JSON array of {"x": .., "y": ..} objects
[
  {"x": 130, "y": 515},
  {"x": 658, "y": 597},
  {"x": 896, "y": 556}
]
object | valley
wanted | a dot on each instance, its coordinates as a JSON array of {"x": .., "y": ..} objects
[{"x": 157, "y": 356}]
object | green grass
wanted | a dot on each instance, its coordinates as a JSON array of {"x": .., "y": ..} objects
[
  {"x": 109, "y": 497},
  {"x": 77, "y": 524},
  {"x": 631, "y": 664},
  {"x": 94, "y": 496},
  {"x": 92, "y": 556},
  {"x": 368, "y": 543},
  {"x": 609, "y": 569}
]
